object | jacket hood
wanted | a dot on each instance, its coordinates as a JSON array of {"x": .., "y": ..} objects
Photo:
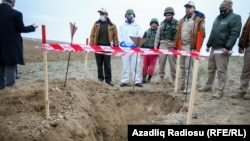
[{"x": 197, "y": 13}]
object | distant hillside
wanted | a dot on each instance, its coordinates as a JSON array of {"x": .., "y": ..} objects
[{"x": 34, "y": 54}]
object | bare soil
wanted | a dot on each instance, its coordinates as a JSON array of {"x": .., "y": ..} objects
[{"x": 83, "y": 109}]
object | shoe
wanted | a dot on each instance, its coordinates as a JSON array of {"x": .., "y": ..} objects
[
  {"x": 143, "y": 81},
  {"x": 246, "y": 96},
  {"x": 181, "y": 87},
  {"x": 238, "y": 95},
  {"x": 205, "y": 89},
  {"x": 173, "y": 83},
  {"x": 138, "y": 85},
  {"x": 218, "y": 94},
  {"x": 110, "y": 83},
  {"x": 187, "y": 91},
  {"x": 161, "y": 80},
  {"x": 17, "y": 77},
  {"x": 149, "y": 79},
  {"x": 2, "y": 88},
  {"x": 101, "y": 80},
  {"x": 123, "y": 84}
]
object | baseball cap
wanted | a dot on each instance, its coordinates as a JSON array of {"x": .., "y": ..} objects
[
  {"x": 190, "y": 3},
  {"x": 103, "y": 10}
]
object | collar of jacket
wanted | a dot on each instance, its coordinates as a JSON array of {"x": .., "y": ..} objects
[
  {"x": 108, "y": 20},
  {"x": 7, "y": 4},
  {"x": 172, "y": 21},
  {"x": 197, "y": 14}
]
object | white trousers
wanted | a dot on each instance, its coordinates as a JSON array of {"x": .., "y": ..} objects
[{"x": 129, "y": 64}]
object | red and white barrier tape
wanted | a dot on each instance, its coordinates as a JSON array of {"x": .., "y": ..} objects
[{"x": 116, "y": 51}]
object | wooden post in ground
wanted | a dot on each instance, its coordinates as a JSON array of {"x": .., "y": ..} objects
[
  {"x": 177, "y": 73},
  {"x": 194, "y": 79},
  {"x": 86, "y": 60},
  {"x": 178, "y": 66},
  {"x": 193, "y": 90},
  {"x": 45, "y": 73}
]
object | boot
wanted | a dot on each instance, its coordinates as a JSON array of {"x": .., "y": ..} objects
[
  {"x": 162, "y": 79},
  {"x": 238, "y": 95},
  {"x": 205, "y": 89},
  {"x": 181, "y": 85},
  {"x": 149, "y": 78},
  {"x": 144, "y": 76},
  {"x": 218, "y": 94},
  {"x": 246, "y": 96}
]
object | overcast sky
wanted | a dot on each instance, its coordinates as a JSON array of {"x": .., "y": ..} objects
[{"x": 57, "y": 14}]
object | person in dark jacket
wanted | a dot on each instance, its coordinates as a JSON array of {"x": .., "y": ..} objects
[
  {"x": 11, "y": 43},
  {"x": 225, "y": 31},
  {"x": 104, "y": 33}
]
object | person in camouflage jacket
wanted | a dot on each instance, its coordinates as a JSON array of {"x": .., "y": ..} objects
[{"x": 149, "y": 61}]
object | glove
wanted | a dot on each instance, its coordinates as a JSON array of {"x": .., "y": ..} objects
[
  {"x": 133, "y": 45},
  {"x": 123, "y": 44}
]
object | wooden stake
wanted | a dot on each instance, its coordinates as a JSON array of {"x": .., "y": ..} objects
[
  {"x": 193, "y": 90},
  {"x": 194, "y": 79},
  {"x": 45, "y": 73},
  {"x": 86, "y": 60},
  {"x": 177, "y": 73}
]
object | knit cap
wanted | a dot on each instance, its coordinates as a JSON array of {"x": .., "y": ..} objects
[{"x": 227, "y": 3}]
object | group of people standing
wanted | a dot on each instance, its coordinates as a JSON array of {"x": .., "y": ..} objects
[
  {"x": 166, "y": 35},
  {"x": 159, "y": 36}
]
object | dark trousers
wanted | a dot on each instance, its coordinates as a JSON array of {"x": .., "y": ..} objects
[
  {"x": 103, "y": 65},
  {"x": 17, "y": 73},
  {"x": 7, "y": 75}
]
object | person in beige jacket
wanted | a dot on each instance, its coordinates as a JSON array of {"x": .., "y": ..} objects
[
  {"x": 187, "y": 32},
  {"x": 244, "y": 47},
  {"x": 104, "y": 33}
]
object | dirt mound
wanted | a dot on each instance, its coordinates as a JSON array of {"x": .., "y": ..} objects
[{"x": 83, "y": 110}]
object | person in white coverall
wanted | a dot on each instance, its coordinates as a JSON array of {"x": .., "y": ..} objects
[{"x": 129, "y": 62}]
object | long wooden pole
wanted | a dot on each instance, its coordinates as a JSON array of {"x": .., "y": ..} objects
[
  {"x": 178, "y": 66},
  {"x": 86, "y": 60},
  {"x": 45, "y": 73},
  {"x": 177, "y": 73},
  {"x": 194, "y": 79},
  {"x": 193, "y": 90}
]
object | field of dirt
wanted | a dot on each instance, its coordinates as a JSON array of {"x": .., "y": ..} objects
[{"x": 83, "y": 109}]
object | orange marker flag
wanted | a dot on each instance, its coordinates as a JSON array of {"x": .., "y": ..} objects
[
  {"x": 43, "y": 34},
  {"x": 199, "y": 41},
  {"x": 73, "y": 29},
  {"x": 179, "y": 44}
]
